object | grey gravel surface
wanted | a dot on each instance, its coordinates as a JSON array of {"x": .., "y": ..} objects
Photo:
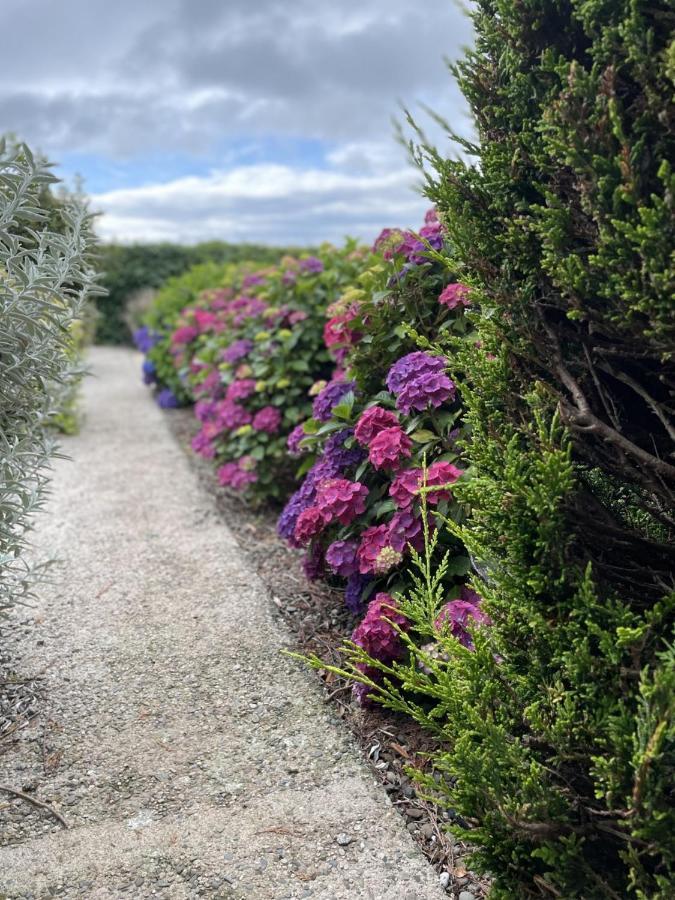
[{"x": 189, "y": 757}]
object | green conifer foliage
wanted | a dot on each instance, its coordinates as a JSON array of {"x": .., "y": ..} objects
[{"x": 560, "y": 740}]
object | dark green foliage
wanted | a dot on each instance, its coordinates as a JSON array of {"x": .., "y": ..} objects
[
  {"x": 137, "y": 267},
  {"x": 559, "y": 735},
  {"x": 568, "y": 229}
]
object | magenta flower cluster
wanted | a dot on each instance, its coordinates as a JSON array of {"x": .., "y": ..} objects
[
  {"x": 389, "y": 448},
  {"x": 237, "y": 475},
  {"x": 455, "y": 295},
  {"x": 268, "y": 419},
  {"x": 341, "y": 500},
  {"x": 405, "y": 487},
  {"x": 371, "y": 422},
  {"x": 377, "y": 633}
]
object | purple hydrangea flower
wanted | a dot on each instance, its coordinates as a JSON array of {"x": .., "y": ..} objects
[
  {"x": 167, "y": 399},
  {"x": 354, "y": 592},
  {"x": 329, "y": 397},
  {"x": 251, "y": 280},
  {"x": 294, "y": 440},
  {"x": 341, "y": 557},
  {"x": 145, "y": 339},
  {"x": 201, "y": 444},
  {"x": 312, "y": 264},
  {"x": 268, "y": 419},
  {"x": 331, "y": 464},
  {"x": 341, "y": 457},
  {"x": 237, "y": 350},
  {"x": 205, "y": 409},
  {"x": 149, "y": 372},
  {"x": 418, "y": 380}
]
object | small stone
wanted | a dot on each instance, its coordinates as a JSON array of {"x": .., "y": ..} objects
[
  {"x": 444, "y": 879},
  {"x": 344, "y": 840},
  {"x": 466, "y": 895}
]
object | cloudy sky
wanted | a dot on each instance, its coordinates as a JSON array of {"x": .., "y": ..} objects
[{"x": 255, "y": 120}]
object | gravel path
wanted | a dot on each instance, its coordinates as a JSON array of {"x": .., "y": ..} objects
[{"x": 188, "y": 756}]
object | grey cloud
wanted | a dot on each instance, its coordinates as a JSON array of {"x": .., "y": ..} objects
[
  {"x": 124, "y": 79},
  {"x": 285, "y": 68}
]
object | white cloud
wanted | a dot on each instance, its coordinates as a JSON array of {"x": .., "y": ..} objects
[
  {"x": 272, "y": 204},
  {"x": 197, "y": 80}
]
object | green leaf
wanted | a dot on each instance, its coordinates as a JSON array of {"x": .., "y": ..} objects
[{"x": 423, "y": 436}]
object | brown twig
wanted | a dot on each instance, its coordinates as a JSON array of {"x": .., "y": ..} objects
[{"x": 35, "y": 802}]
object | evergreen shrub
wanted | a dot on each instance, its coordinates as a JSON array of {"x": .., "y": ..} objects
[{"x": 556, "y": 723}]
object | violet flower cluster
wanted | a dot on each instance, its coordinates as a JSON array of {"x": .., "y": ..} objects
[
  {"x": 329, "y": 397},
  {"x": 418, "y": 381}
]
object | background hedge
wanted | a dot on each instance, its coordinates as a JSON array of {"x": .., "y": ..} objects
[{"x": 127, "y": 270}]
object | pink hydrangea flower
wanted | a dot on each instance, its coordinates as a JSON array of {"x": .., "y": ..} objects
[
  {"x": 375, "y": 554},
  {"x": 205, "y": 320},
  {"x": 231, "y": 415},
  {"x": 238, "y": 475},
  {"x": 202, "y": 445},
  {"x": 240, "y": 390},
  {"x": 242, "y": 478},
  {"x": 377, "y": 633},
  {"x": 340, "y": 499},
  {"x": 440, "y": 473},
  {"x": 405, "y": 487},
  {"x": 371, "y": 422},
  {"x": 341, "y": 557},
  {"x": 184, "y": 335},
  {"x": 455, "y": 295},
  {"x": 310, "y": 522},
  {"x": 225, "y": 473},
  {"x": 267, "y": 419},
  {"x": 212, "y": 429},
  {"x": 389, "y": 448}
]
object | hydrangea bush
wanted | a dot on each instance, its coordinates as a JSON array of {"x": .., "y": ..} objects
[
  {"x": 389, "y": 411},
  {"x": 247, "y": 355}
]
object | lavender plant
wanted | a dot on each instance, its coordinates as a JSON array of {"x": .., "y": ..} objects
[{"x": 46, "y": 276}]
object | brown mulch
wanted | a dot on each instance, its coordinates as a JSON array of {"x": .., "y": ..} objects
[{"x": 318, "y": 621}]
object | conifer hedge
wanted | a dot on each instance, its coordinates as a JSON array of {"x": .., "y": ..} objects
[{"x": 560, "y": 737}]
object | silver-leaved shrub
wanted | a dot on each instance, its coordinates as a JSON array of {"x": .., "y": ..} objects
[{"x": 46, "y": 277}]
